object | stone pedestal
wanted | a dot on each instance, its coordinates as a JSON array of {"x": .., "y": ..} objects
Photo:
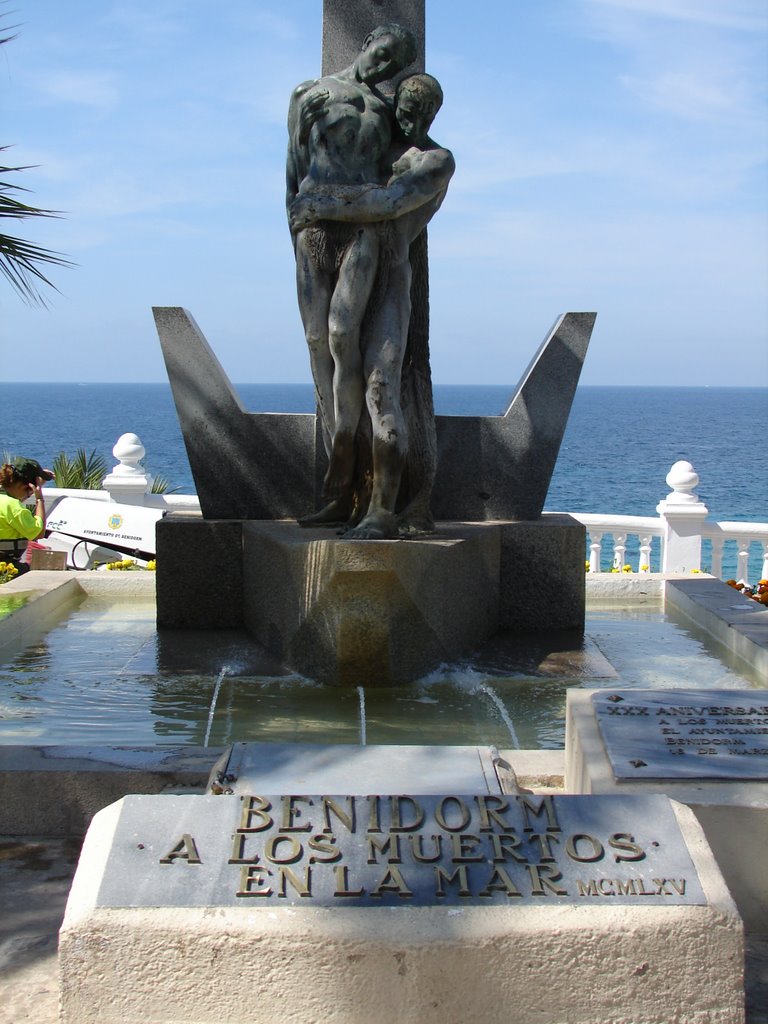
[
  {"x": 226, "y": 910},
  {"x": 370, "y": 612},
  {"x": 667, "y": 732},
  {"x": 378, "y": 613}
]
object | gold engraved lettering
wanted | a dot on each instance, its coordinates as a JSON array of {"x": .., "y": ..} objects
[
  {"x": 443, "y": 877},
  {"x": 324, "y": 844},
  {"x": 374, "y": 821},
  {"x": 586, "y": 888},
  {"x": 543, "y": 877},
  {"x": 347, "y": 818},
  {"x": 545, "y": 849},
  {"x": 384, "y": 844},
  {"x": 626, "y": 888},
  {"x": 294, "y": 852},
  {"x": 185, "y": 849},
  {"x": 401, "y": 804},
  {"x": 341, "y": 872},
  {"x": 545, "y": 805},
  {"x": 678, "y": 885},
  {"x": 290, "y": 811},
  {"x": 441, "y": 812},
  {"x": 491, "y": 808},
  {"x": 237, "y": 856},
  {"x": 500, "y": 882},
  {"x": 302, "y": 887},
  {"x": 606, "y": 887},
  {"x": 251, "y": 876},
  {"x": 417, "y": 847},
  {"x": 255, "y": 807},
  {"x": 506, "y": 845},
  {"x": 392, "y": 881},
  {"x": 465, "y": 848},
  {"x": 625, "y": 842},
  {"x": 594, "y": 851}
]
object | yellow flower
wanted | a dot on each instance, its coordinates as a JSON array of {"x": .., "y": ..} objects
[
  {"x": 644, "y": 568},
  {"x": 626, "y": 568}
]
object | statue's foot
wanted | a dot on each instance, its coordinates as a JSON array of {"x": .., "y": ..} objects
[
  {"x": 338, "y": 479},
  {"x": 375, "y": 526},
  {"x": 415, "y": 523},
  {"x": 335, "y": 513}
]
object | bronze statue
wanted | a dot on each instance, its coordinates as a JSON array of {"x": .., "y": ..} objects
[{"x": 364, "y": 179}]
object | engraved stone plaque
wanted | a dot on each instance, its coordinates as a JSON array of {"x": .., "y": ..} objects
[
  {"x": 397, "y": 851},
  {"x": 684, "y": 734}
]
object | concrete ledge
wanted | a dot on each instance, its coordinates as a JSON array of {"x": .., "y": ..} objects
[
  {"x": 736, "y": 621},
  {"x": 55, "y": 791}
]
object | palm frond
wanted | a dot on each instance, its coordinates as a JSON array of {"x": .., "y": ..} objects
[{"x": 81, "y": 471}]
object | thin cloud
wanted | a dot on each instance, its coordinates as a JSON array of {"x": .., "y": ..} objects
[
  {"x": 93, "y": 89},
  {"x": 744, "y": 16}
]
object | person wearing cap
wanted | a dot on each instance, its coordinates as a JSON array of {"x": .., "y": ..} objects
[{"x": 18, "y": 480}]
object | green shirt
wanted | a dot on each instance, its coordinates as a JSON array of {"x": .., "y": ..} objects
[{"x": 16, "y": 520}]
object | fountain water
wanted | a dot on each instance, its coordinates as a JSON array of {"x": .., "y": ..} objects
[
  {"x": 361, "y": 695},
  {"x": 506, "y": 717},
  {"x": 215, "y": 697}
]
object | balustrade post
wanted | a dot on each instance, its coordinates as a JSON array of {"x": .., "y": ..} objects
[
  {"x": 595, "y": 549},
  {"x": 718, "y": 543},
  {"x": 742, "y": 563},
  {"x": 644, "y": 565},
  {"x": 764, "y": 573},
  {"x": 683, "y": 516},
  {"x": 128, "y": 482},
  {"x": 619, "y": 550}
]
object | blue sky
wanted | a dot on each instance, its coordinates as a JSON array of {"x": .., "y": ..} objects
[{"x": 611, "y": 155}]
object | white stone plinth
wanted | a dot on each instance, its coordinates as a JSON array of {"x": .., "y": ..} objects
[
  {"x": 593, "y": 962},
  {"x": 732, "y": 812}
]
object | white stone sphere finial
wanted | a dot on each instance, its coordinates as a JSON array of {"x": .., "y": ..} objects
[
  {"x": 682, "y": 478},
  {"x": 128, "y": 481},
  {"x": 129, "y": 451}
]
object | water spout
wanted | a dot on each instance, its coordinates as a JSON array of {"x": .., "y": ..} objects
[
  {"x": 496, "y": 700},
  {"x": 361, "y": 695},
  {"x": 212, "y": 709}
]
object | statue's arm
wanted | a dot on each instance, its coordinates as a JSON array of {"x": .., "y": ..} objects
[
  {"x": 369, "y": 203},
  {"x": 306, "y": 106}
]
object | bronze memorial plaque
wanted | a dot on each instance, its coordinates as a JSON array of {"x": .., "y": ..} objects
[
  {"x": 684, "y": 734},
  {"x": 397, "y": 851}
]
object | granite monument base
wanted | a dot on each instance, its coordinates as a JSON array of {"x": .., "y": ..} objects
[
  {"x": 706, "y": 748},
  {"x": 227, "y": 910},
  {"x": 370, "y": 612}
]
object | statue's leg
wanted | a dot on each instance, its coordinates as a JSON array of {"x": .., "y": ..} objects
[
  {"x": 383, "y": 363},
  {"x": 314, "y": 288},
  {"x": 348, "y": 304}
]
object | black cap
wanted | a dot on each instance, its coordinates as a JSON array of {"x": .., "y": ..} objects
[{"x": 30, "y": 471}]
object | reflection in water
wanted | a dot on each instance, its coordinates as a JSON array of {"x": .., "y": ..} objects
[{"x": 103, "y": 674}]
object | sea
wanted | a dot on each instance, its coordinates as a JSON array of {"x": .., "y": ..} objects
[{"x": 619, "y": 445}]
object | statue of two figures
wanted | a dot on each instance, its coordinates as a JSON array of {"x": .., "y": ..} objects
[{"x": 363, "y": 180}]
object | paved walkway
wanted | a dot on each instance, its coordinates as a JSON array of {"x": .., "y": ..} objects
[{"x": 35, "y": 876}]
